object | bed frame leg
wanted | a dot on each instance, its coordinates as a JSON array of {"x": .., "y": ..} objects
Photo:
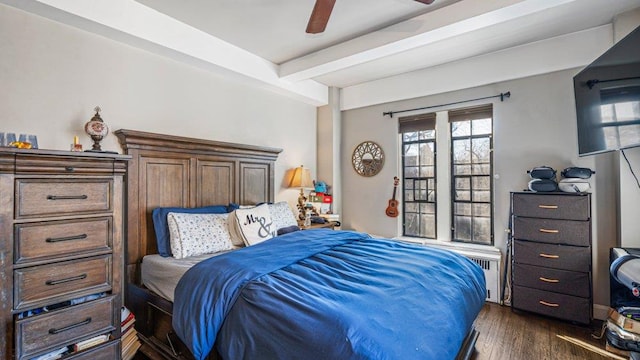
[{"x": 468, "y": 345}]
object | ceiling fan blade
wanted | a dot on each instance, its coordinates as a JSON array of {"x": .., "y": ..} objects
[
  {"x": 427, "y": 2},
  {"x": 320, "y": 16}
]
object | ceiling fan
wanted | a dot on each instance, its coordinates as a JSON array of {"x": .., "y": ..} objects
[{"x": 322, "y": 10}]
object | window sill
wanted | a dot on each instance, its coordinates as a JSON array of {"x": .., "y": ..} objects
[{"x": 488, "y": 250}]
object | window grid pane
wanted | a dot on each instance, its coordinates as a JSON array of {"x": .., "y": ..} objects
[
  {"x": 471, "y": 169},
  {"x": 419, "y": 184}
]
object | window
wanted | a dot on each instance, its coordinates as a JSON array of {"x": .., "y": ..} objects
[
  {"x": 419, "y": 175},
  {"x": 463, "y": 190},
  {"x": 471, "y": 170}
]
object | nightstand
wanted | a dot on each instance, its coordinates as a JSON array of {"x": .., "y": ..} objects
[{"x": 551, "y": 263}]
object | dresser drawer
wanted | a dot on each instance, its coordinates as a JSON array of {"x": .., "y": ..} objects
[
  {"x": 52, "y": 283},
  {"x": 52, "y": 197},
  {"x": 564, "y": 257},
  {"x": 552, "y": 231},
  {"x": 48, "y": 240},
  {"x": 560, "y": 281},
  {"x": 62, "y": 165},
  {"x": 108, "y": 351},
  {"x": 64, "y": 327},
  {"x": 561, "y": 306},
  {"x": 569, "y": 207}
]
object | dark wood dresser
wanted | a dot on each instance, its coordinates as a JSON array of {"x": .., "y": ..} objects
[
  {"x": 551, "y": 247},
  {"x": 61, "y": 255}
]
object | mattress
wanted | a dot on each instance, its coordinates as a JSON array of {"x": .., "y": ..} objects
[{"x": 161, "y": 274}]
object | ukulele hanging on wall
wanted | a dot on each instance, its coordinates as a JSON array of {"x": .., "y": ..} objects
[{"x": 392, "y": 209}]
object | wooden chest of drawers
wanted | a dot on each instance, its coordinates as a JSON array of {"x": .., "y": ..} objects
[
  {"x": 551, "y": 247},
  {"x": 61, "y": 252}
]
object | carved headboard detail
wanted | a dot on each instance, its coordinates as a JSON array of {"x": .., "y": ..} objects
[{"x": 167, "y": 170}]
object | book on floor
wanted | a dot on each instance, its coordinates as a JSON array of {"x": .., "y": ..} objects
[
  {"x": 85, "y": 344},
  {"x": 128, "y": 336}
]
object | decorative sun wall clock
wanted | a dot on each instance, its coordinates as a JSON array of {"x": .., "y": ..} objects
[{"x": 367, "y": 158}]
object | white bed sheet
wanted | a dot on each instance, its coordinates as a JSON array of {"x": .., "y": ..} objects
[{"x": 161, "y": 274}]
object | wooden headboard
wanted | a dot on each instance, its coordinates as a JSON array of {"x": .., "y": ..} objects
[{"x": 167, "y": 170}]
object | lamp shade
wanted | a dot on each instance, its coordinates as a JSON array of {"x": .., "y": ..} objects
[{"x": 301, "y": 178}]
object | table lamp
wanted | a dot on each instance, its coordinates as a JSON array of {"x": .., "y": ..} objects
[{"x": 301, "y": 179}]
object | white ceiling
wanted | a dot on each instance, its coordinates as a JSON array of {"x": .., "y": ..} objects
[
  {"x": 274, "y": 30},
  {"x": 365, "y": 40}
]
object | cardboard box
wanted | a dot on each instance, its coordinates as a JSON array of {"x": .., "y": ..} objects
[
  {"x": 325, "y": 208},
  {"x": 625, "y": 323},
  {"x": 612, "y": 349},
  {"x": 320, "y": 198},
  {"x": 331, "y": 217}
]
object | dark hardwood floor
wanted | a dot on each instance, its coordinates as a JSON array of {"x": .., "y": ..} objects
[
  {"x": 518, "y": 335},
  {"x": 507, "y": 335}
]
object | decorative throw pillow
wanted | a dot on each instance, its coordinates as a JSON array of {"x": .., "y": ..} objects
[
  {"x": 197, "y": 234},
  {"x": 282, "y": 215},
  {"x": 252, "y": 225},
  {"x": 161, "y": 227}
]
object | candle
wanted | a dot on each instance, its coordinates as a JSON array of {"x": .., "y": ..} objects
[{"x": 76, "y": 146}]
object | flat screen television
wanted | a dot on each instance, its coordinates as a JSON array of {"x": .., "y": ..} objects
[{"x": 607, "y": 94}]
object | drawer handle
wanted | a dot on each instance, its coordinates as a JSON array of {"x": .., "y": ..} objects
[
  {"x": 549, "y": 231},
  {"x": 548, "y": 304},
  {"x": 66, "y": 197},
  {"x": 549, "y": 280},
  {"x": 65, "y": 280},
  {"x": 69, "y": 327},
  {"x": 548, "y": 206},
  {"x": 66, "y": 238},
  {"x": 69, "y": 168},
  {"x": 549, "y": 256}
]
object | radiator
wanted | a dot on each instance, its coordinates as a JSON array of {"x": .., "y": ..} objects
[
  {"x": 490, "y": 261},
  {"x": 490, "y": 264}
]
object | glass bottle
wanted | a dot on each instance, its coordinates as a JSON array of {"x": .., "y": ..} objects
[{"x": 307, "y": 218}]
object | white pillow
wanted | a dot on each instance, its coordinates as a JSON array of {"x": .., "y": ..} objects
[
  {"x": 197, "y": 234},
  {"x": 252, "y": 225},
  {"x": 236, "y": 234},
  {"x": 282, "y": 215}
]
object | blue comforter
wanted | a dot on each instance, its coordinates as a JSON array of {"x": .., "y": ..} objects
[{"x": 323, "y": 294}]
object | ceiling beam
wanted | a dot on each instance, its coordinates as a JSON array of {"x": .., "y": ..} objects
[
  {"x": 445, "y": 23},
  {"x": 564, "y": 52}
]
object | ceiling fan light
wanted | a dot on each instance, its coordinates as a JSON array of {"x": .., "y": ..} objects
[
  {"x": 322, "y": 11},
  {"x": 320, "y": 16}
]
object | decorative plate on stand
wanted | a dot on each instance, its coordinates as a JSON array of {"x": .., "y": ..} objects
[{"x": 367, "y": 158}]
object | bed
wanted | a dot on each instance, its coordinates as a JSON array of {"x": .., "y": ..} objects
[{"x": 280, "y": 295}]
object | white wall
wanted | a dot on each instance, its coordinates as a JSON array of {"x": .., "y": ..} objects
[
  {"x": 53, "y": 75},
  {"x": 629, "y": 231},
  {"x": 536, "y": 126},
  {"x": 629, "y": 189}
]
